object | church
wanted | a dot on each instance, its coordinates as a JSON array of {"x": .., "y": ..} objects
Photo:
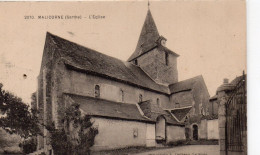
[{"x": 138, "y": 102}]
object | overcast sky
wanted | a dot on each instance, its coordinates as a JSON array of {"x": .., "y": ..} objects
[{"x": 210, "y": 37}]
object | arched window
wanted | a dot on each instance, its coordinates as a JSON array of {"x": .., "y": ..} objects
[
  {"x": 158, "y": 102},
  {"x": 140, "y": 98},
  {"x": 166, "y": 58},
  {"x": 97, "y": 91},
  {"x": 136, "y": 62},
  {"x": 195, "y": 132},
  {"x": 122, "y": 95}
]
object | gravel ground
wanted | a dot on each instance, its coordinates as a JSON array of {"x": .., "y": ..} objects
[{"x": 186, "y": 150}]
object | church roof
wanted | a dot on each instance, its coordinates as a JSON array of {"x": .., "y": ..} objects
[
  {"x": 180, "y": 113},
  {"x": 84, "y": 59},
  {"x": 152, "y": 111},
  {"x": 184, "y": 85},
  {"x": 148, "y": 37},
  {"x": 104, "y": 108}
]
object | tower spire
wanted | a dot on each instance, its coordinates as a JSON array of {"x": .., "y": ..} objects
[
  {"x": 148, "y": 36},
  {"x": 148, "y": 5}
]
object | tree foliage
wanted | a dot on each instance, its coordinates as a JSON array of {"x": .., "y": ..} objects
[
  {"x": 29, "y": 145},
  {"x": 16, "y": 116},
  {"x": 65, "y": 141}
]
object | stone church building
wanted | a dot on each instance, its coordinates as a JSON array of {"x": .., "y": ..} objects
[{"x": 138, "y": 102}]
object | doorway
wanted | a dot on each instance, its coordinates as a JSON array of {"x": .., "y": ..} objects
[{"x": 195, "y": 132}]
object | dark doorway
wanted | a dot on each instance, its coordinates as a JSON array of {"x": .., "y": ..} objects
[{"x": 195, "y": 132}]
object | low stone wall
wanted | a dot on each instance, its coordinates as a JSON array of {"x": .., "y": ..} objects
[
  {"x": 114, "y": 134},
  {"x": 213, "y": 132},
  {"x": 203, "y": 132},
  {"x": 175, "y": 133}
]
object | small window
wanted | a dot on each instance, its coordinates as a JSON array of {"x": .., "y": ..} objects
[
  {"x": 140, "y": 98},
  {"x": 97, "y": 91},
  {"x": 177, "y": 105},
  {"x": 122, "y": 95},
  {"x": 166, "y": 58},
  {"x": 158, "y": 102},
  {"x": 136, "y": 62}
]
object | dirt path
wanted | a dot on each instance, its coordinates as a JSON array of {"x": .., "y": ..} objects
[{"x": 186, "y": 150}]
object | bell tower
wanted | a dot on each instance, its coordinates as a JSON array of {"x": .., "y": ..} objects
[{"x": 152, "y": 55}]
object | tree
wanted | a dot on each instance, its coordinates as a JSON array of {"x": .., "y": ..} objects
[
  {"x": 16, "y": 116},
  {"x": 64, "y": 142}
]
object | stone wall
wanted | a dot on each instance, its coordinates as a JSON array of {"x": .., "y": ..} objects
[
  {"x": 84, "y": 84},
  {"x": 154, "y": 64},
  {"x": 213, "y": 131},
  {"x": 175, "y": 133},
  {"x": 213, "y": 107},
  {"x": 201, "y": 97},
  {"x": 203, "y": 129},
  {"x": 184, "y": 98},
  {"x": 121, "y": 133},
  {"x": 150, "y": 135}
]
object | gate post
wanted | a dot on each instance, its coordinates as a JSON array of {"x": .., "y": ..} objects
[{"x": 222, "y": 100}]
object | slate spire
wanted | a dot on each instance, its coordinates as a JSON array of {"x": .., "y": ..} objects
[{"x": 148, "y": 37}]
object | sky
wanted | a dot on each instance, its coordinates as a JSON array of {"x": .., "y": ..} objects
[{"x": 209, "y": 36}]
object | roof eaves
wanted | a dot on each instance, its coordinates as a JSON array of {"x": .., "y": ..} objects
[
  {"x": 181, "y": 91},
  {"x": 181, "y": 108},
  {"x": 142, "y": 53},
  {"x": 119, "y": 118}
]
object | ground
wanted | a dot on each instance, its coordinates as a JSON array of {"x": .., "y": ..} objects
[
  {"x": 186, "y": 150},
  {"x": 174, "y": 150}
]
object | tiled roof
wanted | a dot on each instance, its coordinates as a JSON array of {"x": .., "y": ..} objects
[
  {"x": 152, "y": 111},
  {"x": 210, "y": 117},
  {"x": 84, "y": 59},
  {"x": 148, "y": 38},
  {"x": 214, "y": 97},
  {"x": 184, "y": 85},
  {"x": 180, "y": 113},
  {"x": 104, "y": 108}
]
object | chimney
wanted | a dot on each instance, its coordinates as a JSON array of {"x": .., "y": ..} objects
[{"x": 225, "y": 81}]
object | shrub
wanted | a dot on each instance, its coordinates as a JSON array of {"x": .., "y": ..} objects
[
  {"x": 61, "y": 139},
  {"x": 29, "y": 145}
]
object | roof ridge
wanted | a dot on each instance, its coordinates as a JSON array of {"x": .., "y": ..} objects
[
  {"x": 179, "y": 108},
  {"x": 72, "y": 42},
  {"x": 195, "y": 77}
]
